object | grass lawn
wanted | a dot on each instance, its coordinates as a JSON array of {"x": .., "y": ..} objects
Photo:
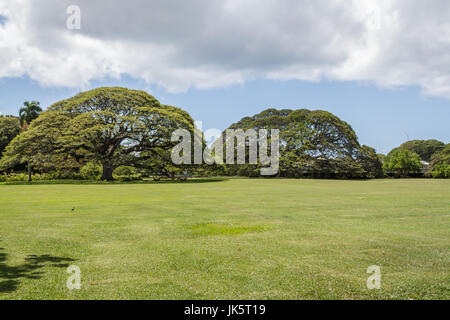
[{"x": 226, "y": 239}]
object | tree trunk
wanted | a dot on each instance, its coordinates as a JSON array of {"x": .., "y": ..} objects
[
  {"x": 29, "y": 171},
  {"x": 107, "y": 173}
]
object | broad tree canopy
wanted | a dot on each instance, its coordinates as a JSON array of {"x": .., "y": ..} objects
[
  {"x": 315, "y": 143},
  {"x": 424, "y": 148},
  {"x": 114, "y": 126}
]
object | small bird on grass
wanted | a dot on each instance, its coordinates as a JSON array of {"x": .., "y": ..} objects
[{"x": 73, "y": 209}]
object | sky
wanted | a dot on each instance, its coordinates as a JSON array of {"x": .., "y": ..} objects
[{"x": 381, "y": 66}]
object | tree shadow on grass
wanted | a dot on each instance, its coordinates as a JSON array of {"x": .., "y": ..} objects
[{"x": 10, "y": 276}]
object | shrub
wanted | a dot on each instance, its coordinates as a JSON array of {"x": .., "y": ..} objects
[
  {"x": 125, "y": 171},
  {"x": 402, "y": 163},
  {"x": 91, "y": 171},
  {"x": 63, "y": 175},
  {"x": 11, "y": 177},
  {"x": 441, "y": 171},
  {"x": 134, "y": 177}
]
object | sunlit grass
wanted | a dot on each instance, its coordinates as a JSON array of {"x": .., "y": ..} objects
[{"x": 226, "y": 239}]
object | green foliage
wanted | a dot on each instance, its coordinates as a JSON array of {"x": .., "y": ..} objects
[
  {"x": 29, "y": 112},
  {"x": 133, "y": 177},
  {"x": 312, "y": 144},
  {"x": 127, "y": 173},
  {"x": 112, "y": 126},
  {"x": 441, "y": 157},
  {"x": 441, "y": 171},
  {"x": 118, "y": 128},
  {"x": 381, "y": 157},
  {"x": 91, "y": 171},
  {"x": 9, "y": 129},
  {"x": 424, "y": 148},
  {"x": 13, "y": 177},
  {"x": 440, "y": 162},
  {"x": 17, "y": 177},
  {"x": 65, "y": 175},
  {"x": 402, "y": 163},
  {"x": 370, "y": 163}
]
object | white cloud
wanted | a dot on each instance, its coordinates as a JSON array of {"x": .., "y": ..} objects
[{"x": 203, "y": 43}]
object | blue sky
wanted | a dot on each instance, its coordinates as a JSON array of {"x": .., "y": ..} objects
[{"x": 382, "y": 118}]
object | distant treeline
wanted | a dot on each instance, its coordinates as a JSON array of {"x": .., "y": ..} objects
[{"x": 117, "y": 133}]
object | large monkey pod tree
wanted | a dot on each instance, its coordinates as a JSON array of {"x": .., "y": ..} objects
[{"x": 112, "y": 126}]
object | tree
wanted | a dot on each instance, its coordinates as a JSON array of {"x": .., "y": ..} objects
[
  {"x": 441, "y": 157},
  {"x": 381, "y": 157},
  {"x": 112, "y": 126},
  {"x": 440, "y": 163},
  {"x": 9, "y": 129},
  {"x": 402, "y": 163},
  {"x": 370, "y": 163},
  {"x": 312, "y": 143},
  {"x": 441, "y": 171},
  {"x": 29, "y": 112},
  {"x": 424, "y": 148}
]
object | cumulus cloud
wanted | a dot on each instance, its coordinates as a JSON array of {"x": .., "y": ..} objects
[{"x": 203, "y": 43}]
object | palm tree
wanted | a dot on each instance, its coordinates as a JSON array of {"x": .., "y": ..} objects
[{"x": 29, "y": 112}]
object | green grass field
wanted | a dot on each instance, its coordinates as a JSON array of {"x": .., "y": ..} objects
[{"x": 226, "y": 239}]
